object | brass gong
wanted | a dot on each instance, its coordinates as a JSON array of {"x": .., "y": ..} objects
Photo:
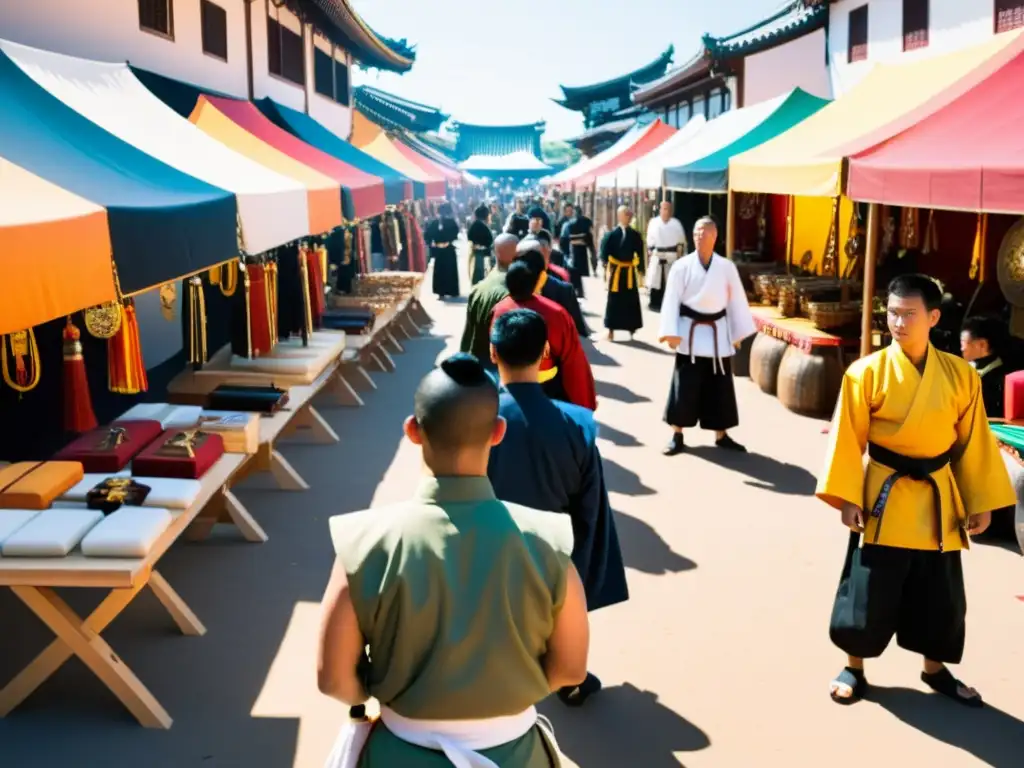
[
  {"x": 103, "y": 321},
  {"x": 1010, "y": 270}
]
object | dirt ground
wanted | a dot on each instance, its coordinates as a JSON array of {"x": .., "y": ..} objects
[{"x": 720, "y": 659}]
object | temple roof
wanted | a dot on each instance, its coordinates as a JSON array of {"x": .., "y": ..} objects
[
  {"x": 609, "y": 130},
  {"x": 578, "y": 97},
  {"x": 497, "y": 140},
  {"x": 794, "y": 19},
  {"x": 339, "y": 23},
  {"x": 393, "y": 112}
]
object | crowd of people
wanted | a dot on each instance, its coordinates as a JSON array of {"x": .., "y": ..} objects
[{"x": 463, "y": 608}]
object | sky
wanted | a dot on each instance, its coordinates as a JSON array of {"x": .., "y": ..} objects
[{"x": 501, "y": 63}]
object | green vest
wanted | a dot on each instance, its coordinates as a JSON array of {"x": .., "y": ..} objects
[
  {"x": 476, "y": 339},
  {"x": 456, "y": 594}
]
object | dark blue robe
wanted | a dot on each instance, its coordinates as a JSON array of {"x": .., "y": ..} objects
[{"x": 549, "y": 460}]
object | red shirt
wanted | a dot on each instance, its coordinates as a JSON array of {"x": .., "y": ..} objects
[
  {"x": 560, "y": 272},
  {"x": 566, "y": 350}
]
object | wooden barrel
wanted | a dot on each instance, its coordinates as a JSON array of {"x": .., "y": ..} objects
[
  {"x": 765, "y": 356},
  {"x": 741, "y": 360},
  {"x": 809, "y": 382}
]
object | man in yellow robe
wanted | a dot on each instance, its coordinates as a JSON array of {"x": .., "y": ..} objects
[{"x": 933, "y": 477}]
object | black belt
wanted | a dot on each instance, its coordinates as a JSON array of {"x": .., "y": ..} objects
[
  {"x": 671, "y": 249},
  {"x": 482, "y": 248},
  {"x": 915, "y": 469},
  {"x": 701, "y": 318}
]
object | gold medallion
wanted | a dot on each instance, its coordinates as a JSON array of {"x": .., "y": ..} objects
[
  {"x": 103, "y": 321},
  {"x": 168, "y": 299}
]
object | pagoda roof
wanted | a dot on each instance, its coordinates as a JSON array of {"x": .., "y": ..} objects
[
  {"x": 578, "y": 97},
  {"x": 694, "y": 69},
  {"x": 614, "y": 128},
  {"x": 498, "y": 140},
  {"x": 338, "y": 22},
  {"x": 393, "y": 112},
  {"x": 793, "y": 19}
]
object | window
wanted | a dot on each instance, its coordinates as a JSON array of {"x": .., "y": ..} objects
[
  {"x": 726, "y": 100},
  {"x": 215, "y": 29},
  {"x": 330, "y": 76},
  {"x": 157, "y": 16},
  {"x": 915, "y": 24},
  {"x": 341, "y": 82},
  {"x": 1009, "y": 14},
  {"x": 857, "y": 43},
  {"x": 714, "y": 103},
  {"x": 284, "y": 53},
  {"x": 684, "y": 113},
  {"x": 698, "y": 106}
]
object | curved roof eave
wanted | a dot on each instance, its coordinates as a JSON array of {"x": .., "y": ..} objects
[
  {"x": 338, "y": 21},
  {"x": 655, "y": 69}
]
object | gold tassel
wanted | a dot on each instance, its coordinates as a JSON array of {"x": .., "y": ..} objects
[
  {"x": 247, "y": 285},
  {"x": 978, "y": 255},
  {"x": 306, "y": 303},
  {"x": 197, "y": 325},
  {"x": 931, "y": 235},
  {"x": 271, "y": 278},
  {"x": 321, "y": 251},
  {"x": 23, "y": 344},
  {"x": 216, "y": 275}
]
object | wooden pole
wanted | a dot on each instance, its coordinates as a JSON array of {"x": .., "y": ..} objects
[
  {"x": 870, "y": 258},
  {"x": 730, "y": 225}
]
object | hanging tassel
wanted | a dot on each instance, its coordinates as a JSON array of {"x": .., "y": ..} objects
[
  {"x": 26, "y": 374},
  {"x": 275, "y": 307},
  {"x": 978, "y": 254},
  {"x": 307, "y": 314},
  {"x": 78, "y": 414},
  {"x": 126, "y": 372},
  {"x": 315, "y": 286},
  {"x": 790, "y": 205},
  {"x": 260, "y": 333},
  {"x": 197, "y": 324},
  {"x": 931, "y": 235},
  {"x": 321, "y": 252},
  {"x": 910, "y": 222},
  {"x": 216, "y": 274}
]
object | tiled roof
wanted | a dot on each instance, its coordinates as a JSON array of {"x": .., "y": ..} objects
[
  {"x": 613, "y": 128},
  {"x": 793, "y": 19},
  {"x": 393, "y": 112},
  {"x": 578, "y": 97},
  {"x": 497, "y": 140},
  {"x": 694, "y": 68},
  {"x": 338, "y": 21}
]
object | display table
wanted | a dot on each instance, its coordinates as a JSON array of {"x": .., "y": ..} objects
[
  {"x": 800, "y": 364},
  {"x": 33, "y": 580}
]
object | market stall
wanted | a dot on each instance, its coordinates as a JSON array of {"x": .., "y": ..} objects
[{"x": 374, "y": 141}]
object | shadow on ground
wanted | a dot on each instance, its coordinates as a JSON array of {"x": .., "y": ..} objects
[
  {"x": 648, "y": 347},
  {"x": 619, "y": 479},
  {"x": 644, "y": 550},
  {"x": 244, "y": 593},
  {"x": 623, "y": 726},
  {"x": 596, "y": 356},
  {"x": 763, "y": 472},
  {"x": 617, "y": 436},
  {"x": 992, "y": 736},
  {"x": 620, "y": 393}
]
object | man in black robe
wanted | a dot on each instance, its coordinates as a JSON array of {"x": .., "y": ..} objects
[
  {"x": 981, "y": 343},
  {"x": 555, "y": 288},
  {"x": 577, "y": 242},
  {"x": 441, "y": 235},
  {"x": 549, "y": 460},
  {"x": 518, "y": 223},
  {"x": 622, "y": 253},
  {"x": 480, "y": 242},
  {"x": 539, "y": 220},
  {"x": 564, "y": 218}
]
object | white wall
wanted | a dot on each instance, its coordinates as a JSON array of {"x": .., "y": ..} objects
[
  {"x": 799, "y": 63},
  {"x": 952, "y": 24},
  {"x": 108, "y": 30}
]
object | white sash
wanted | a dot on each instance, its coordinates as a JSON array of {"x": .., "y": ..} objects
[{"x": 459, "y": 740}]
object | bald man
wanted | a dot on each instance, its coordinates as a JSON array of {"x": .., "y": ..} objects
[
  {"x": 469, "y": 608},
  {"x": 622, "y": 253},
  {"x": 484, "y": 297}
]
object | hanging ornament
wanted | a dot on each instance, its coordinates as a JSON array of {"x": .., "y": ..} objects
[
  {"x": 197, "y": 323},
  {"x": 168, "y": 300},
  {"x": 78, "y": 413},
  {"x": 103, "y": 321},
  {"x": 23, "y": 348},
  {"x": 978, "y": 255}
]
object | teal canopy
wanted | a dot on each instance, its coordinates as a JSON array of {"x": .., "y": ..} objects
[
  {"x": 710, "y": 174},
  {"x": 1011, "y": 435}
]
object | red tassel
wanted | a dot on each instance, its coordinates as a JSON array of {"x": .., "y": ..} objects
[
  {"x": 259, "y": 310},
  {"x": 418, "y": 262},
  {"x": 78, "y": 413},
  {"x": 316, "y": 286},
  {"x": 126, "y": 373}
]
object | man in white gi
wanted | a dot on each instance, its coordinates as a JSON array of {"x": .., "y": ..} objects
[
  {"x": 704, "y": 318},
  {"x": 666, "y": 242}
]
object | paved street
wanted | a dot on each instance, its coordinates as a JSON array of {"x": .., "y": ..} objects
[{"x": 721, "y": 658}]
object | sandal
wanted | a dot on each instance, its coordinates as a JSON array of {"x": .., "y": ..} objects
[
  {"x": 854, "y": 680},
  {"x": 943, "y": 682}
]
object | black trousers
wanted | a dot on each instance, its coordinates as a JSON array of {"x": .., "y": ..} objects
[
  {"x": 916, "y": 595},
  {"x": 700, "y": 395},
  {"x": 656, "y": 295}
]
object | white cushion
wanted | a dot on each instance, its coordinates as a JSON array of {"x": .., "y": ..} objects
[
  {"x": 167, "y": 492},
  {"x": 169, "y": 416},
  {"x": 51, "y": 533},
  {"x": 13, "y": 519},
  {"x": 128, "y": 532}
]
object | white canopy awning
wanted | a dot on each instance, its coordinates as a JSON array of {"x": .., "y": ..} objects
[
  {"x": 627, "y": 176},
  {"x": 516, "y": 162},
  {"x": 272, "y": 207}
]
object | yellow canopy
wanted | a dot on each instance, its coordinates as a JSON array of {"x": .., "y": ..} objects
[
  {"x": 808, "y": 158},
  {"x": 371, "y": 138}
]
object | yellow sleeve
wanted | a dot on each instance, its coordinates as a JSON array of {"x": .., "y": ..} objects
[
  {"x": 981, "y": 476},
  {"x": 843, "y": 478}
]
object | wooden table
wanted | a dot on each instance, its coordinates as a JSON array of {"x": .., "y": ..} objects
[
  {"x": 800, "y": 364},
  {"x": 33, "y": 580}
]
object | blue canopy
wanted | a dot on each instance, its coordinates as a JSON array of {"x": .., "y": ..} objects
[
  {"x": 396, "y": 186},
  {"x": 163, "y": 223}
]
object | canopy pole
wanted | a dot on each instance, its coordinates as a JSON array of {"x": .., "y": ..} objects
[
  {"x": 730, "y": 224},
  {"x": 870, "y": 258}
]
